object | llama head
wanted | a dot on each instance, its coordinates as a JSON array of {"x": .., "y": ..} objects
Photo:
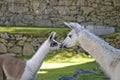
[
  {"x": 53, "y": 43},
  {"x": 72, "y": 37}
]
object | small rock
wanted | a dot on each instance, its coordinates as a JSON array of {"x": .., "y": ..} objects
[
  {"x": 28, "y": 49},
  {"x": 10, "y": 44},
  {"x": 5, "y": 35},
  {"x": 24, "y": 38},
  {"x": 21, "y": 43},
  {"x": 118, "y": 37},
  {"x": 3, "y": 48},
  {"x": 15, "y": 49}
]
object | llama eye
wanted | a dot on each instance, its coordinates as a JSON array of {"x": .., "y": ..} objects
[
  {"x": 70, "y": 36},
  {"x": 53, "y": 44}
]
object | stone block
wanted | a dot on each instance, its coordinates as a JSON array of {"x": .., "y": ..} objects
[
  {"x": 10, "y": 44},
  {"x": 63, "y": 10},
  {"x": 38, "y": 18},
  {"x": 53, "y": 2},
  {"x": 39, "y": 8},
  {"x": 73, "y": 7},
  {"x": 73, "y": 13},
  {"x": 16, "y": 1},
  {"x": 116, "y": 2},
  {"x": 18, "y": 9},
  {"x": 110, "y": 22},
  {"x": 15, "y": 49},
  {"x": 65, "y": 2},
  {"x": 1, "y": 23},
  {"x": 118, "y": 37},
  {"x": 107, "y": 8},
  {"x": 49, "y": 11},
  {"x": 20, "y": 43},
  {"x": 82, "y": 2},
  {"x": 16, "y": 18},
  {"x": 95, "y": 5},
  {"x": 100, "y": 30},
  {"x": 3, "y": 48},
  {"x": 80, "y": 18},
  {"x": 69, "y": 18},
  {"x": 1, "y": 14},
  {"x": 87, "y": 10},
  {"x": 28, "y": 49},
  {"x": 28, "y": 17},
  {"x": 35, "y": 4},
  {"x": 43, "y": 23},
  {"x": 4, "y": 35}
]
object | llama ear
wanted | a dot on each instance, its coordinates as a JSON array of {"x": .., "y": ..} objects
[
  {"x": 74, "y": 26},
  {"x": 68, "y": 24},
  {"x": 51, "y": 36}
]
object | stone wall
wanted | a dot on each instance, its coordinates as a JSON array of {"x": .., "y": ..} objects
[
  {"x": 55, "y": 12},
  {"x": 20, "y": 45}
]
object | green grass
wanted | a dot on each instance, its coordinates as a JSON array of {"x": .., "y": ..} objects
[
  {"x": 65, "y": 63},
  {"x": 34, "y": 31},
  {"x": 45, "y": 31}
]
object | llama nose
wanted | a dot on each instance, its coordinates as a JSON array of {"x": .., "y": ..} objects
[{"x": 62, "y": 46}]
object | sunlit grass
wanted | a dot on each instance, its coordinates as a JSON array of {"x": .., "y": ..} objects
[
  {"x": 64, "y": 57},
  {"x": 42, "y": 72},
  {"x": 34, "y": 31},
  {"x": 63, "y": 63}
]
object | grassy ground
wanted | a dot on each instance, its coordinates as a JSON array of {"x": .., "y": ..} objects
[
  {"x": 63, "y": 62},
  {"x": 34, "y": 31}
]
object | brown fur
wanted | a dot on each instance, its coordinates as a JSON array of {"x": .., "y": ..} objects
[{"x": 13, "y": 66}]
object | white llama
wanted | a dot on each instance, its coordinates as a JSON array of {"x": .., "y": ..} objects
[
  {"x": 15, "y": 69},
  {"x": 107, "y": 56}
]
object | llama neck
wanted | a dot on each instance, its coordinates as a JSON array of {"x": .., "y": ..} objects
[
  {"x": 98, "y": 48},
  {"x": 36, "y": 61}
]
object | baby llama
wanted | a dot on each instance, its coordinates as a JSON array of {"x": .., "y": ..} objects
[{"x": 15, "y": 69}]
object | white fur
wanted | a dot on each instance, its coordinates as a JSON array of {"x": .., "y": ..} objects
[
  {"x": 107, "y": 56},
  {"x": 33, "y": 65}
]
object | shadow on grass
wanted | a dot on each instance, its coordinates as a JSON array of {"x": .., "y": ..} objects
[{"x": 55, "y": 73}]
